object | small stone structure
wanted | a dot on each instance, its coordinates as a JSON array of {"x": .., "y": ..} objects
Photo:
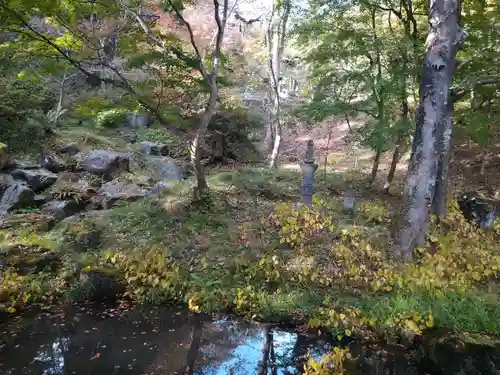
[{"x": 308, "y": 168}]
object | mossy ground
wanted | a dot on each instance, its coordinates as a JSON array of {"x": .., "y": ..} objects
[{"x": 253, "y": 253}]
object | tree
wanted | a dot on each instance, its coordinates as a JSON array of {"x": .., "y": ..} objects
[
  {"x": 432, "y": 127},
  {"x": 355, "y": 56},
  {"x": 210, "y": 77},
  {"x": 62, "y": 33},
  {"x": 275, "y": 41}
]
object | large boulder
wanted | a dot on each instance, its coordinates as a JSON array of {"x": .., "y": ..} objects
[
  {"x": 479, "y": 209},
  {"x": 153, "y": 149},
  {"x": 79, "y": 234},
  {"x": 61, "y": 209},
  {"x": 165, "y": 168},
  {"x": 50, "y": 162},
  {"x": 101, "y": 283},
  {"x": 114, "y": 191},
  {"x": 37, "y": 179},
  {"x": 81, "y": 185},
  {"x": 157, "y": 188},
  {"x": 4, "y": 156},
  {"x": 16, "y": 196},
  {"x": 5, "y": 181},
  {"x": 105, "y": 163},
  {"x": 139, "y": 120}
]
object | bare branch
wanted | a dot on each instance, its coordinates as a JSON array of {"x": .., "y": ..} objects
[
  {"x": 202, "y": 68},
  {"x": 459, "y": 93}
]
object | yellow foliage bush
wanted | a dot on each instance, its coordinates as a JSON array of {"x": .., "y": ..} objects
[
  {"x": 457, "y": 256},
  {"x": 330, "y": 364},
  {"x": 297, "y": 225},
  {"x": 150, "y": 275}
]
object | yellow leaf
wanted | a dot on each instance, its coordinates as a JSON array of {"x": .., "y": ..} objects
[{"x": 348, "y": 332}]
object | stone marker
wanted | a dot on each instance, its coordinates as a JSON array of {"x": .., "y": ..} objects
[
  {"x": 308, "y": 169},
  {"x": 349, "y": 200}
]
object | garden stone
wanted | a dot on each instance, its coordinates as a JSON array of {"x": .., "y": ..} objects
[
  {"x": 16, "y": 196},
  {"x": 114, "y": 191},
  {"x": 50, "y": 162},
  {"x": 80, "y": 235},
  {"x": 154, "y": 149},
  {"x": 165, "y": 168},
  {"x": 349, "y": 200},
  {"x": 4, "y": 156},
  {"x": 69, "y": 149},
  {"x": 16, "y": 164},
  {"x": 138, "y": 120},
  {"x": 157, "y": 188},
  {"x": 5, "y": 181},
  {"x": 106, "y": 163},
  {"x": 308, "y": 168},
  {"x": 100, "y": 284},
  {"x": 61, "y": 209},
  {"x": 37, "y": 179},
  {"x": 40, "y": 199},
  {"x": 478, "y": 209}
]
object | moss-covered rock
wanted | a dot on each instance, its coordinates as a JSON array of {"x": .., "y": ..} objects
[
  {"x": 81, "y": 235},
  {"x": 100, "y": 283}
]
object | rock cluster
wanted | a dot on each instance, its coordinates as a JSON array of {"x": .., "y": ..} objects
[{"x": 68, "y": 180}]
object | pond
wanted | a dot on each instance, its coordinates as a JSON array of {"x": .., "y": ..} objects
[{"x": 127, "y": 339}]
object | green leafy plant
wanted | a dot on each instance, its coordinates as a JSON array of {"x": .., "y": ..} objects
[{"x": 111, "y": 118}]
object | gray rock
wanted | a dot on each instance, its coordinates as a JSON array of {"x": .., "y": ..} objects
[
  {"x": 17, "y": 164},
  {"x": 42, "y": 199},
  {"x": 100, "y": 284},
  {"x": 75, "y": 182},
  {"x": 157, "y": 188},
  {"x": 103, "y": 162},
  {"x": 37, "y": 179},
  {"x": 61, "y": 209},
  {"x": 143, "y": 180},
  {"x": 70, "y": 149},
  {"x": 5, "y": 181},
  {"x": 16, "y": 196},
  {"x": 154, "y": 149},
  {"x": 50, "y": 162},
  {"x": 138, "y": 120},
  {"x": 165, "y": 168},
  {"x": 114, "y": 191}
]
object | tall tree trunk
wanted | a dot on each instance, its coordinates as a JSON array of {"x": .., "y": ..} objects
[
  {"x": 376, "y": 163},
  {"x": 397, "y": 154},
  {"x": 210, "y": 78},
  {"x": 195, "y": 151},
  {"x": 275, "y": 38},
  {"x": 441, "y": 189},
  {"x": 392, "y": 169},
  {"x": 443, "y": 38}
]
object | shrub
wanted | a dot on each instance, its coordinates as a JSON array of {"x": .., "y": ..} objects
[
  {"x": 23, "y": 104},
  {"x": 111, "y": 118}
]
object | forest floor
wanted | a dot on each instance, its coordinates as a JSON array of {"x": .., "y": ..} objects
[{"x": 253, "y": 251}]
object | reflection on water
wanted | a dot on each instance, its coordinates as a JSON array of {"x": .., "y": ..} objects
[
  {"x": 154, "y": 341},
  {"x": 148, "y": 341}
]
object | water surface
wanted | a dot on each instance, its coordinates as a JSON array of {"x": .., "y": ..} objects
[{"x": 151, "y": 341}]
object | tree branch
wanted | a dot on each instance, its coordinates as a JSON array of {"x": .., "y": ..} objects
[
  {"x": 202, "y": 68},
  {"x": 123, "y": 83},
  {"x": 459, "y": 93}
]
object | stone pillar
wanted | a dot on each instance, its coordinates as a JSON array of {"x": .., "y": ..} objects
[{"x": 308, "y": 169}]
